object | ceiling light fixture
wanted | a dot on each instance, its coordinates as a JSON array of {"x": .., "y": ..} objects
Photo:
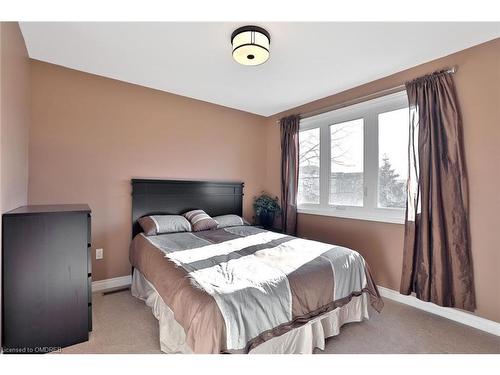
[{"x": 250, "y": 45}]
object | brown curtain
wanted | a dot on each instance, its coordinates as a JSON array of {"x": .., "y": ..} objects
[
  {"x": 289, "y": 172},
  {"x": 437, "y": 262}
]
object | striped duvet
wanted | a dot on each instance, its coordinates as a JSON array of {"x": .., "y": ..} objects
[{"x": 234, "y": 288}]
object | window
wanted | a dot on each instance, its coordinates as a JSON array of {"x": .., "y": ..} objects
[
  {"x": 392, "y": 158},
  {"x": 346, "y": 156},
  {"x": 308, "y": 191},
  {"x": 353, "y": 161}
]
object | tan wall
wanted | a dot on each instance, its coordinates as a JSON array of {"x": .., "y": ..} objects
[
  {"x": 478, "y": 87},
  {"x": 91, "y": 134},
  {"x": 15, "y": 116}
]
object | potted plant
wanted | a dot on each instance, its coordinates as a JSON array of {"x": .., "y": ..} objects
[{"x": 266, "y": 209}]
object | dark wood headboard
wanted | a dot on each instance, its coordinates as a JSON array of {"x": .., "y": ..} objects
[{"x": 174, "y": 197}]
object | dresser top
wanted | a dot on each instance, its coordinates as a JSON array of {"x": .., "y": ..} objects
[{"x": 49, "y": 208}]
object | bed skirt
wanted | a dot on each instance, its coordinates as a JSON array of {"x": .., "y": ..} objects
[{"x": 301, "y": 340}]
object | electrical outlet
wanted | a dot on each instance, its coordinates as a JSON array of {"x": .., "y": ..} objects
[{"x": 99, "y": 253}]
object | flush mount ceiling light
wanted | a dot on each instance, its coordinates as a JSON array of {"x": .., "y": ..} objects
[{"x": 250, "y": 45}]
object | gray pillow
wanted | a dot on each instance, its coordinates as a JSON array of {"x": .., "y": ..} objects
[
  {"x": 229, "y": 221},
  {"x": 158, "y": 224}
]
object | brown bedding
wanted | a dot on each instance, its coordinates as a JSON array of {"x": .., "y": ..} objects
[{"x": 198, "y": 275}]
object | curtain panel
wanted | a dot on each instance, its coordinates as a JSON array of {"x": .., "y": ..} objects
[
  {"x": 289, "y": 127},
  {"x": 437, "y": 263}
]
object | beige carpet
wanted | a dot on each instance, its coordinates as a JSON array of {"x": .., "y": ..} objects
[{"x": 123, "y": 324}]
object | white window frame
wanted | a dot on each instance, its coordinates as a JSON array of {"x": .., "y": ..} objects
[{"x": 368, "y": 111}]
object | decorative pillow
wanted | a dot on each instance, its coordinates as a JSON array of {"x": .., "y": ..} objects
[
  {"x": 158, "y": 224},
  {"x": 229, "y": 221},
  {"x": 200, "y": 220}
]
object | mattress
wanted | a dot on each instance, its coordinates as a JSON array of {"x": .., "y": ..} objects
[{"x": 234, "y": 289}]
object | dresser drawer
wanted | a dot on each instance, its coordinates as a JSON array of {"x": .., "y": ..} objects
[
  {"x": 89, "y": 287},
  {"x": 89, "y": 260},
  {"x": 89, "y": 230},
  {"x": 90, "y": 318}
]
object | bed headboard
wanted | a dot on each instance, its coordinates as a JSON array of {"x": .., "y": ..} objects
[{"x": 174, "y": 197}]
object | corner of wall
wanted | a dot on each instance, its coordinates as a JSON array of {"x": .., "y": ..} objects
[
  {"x": 15, "y": 117},
  {"x": 273, "y": 157}
]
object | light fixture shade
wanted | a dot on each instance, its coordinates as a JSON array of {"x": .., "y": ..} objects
[{"x": 250, "y": 45}]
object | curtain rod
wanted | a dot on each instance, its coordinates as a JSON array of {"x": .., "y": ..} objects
[{"x": 361, "y": 99}]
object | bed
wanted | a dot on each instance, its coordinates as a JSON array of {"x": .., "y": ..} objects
[{"x": 240, "y": 289}]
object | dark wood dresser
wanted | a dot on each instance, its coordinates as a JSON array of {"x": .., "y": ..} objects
[{"x": 46, "y": 278}]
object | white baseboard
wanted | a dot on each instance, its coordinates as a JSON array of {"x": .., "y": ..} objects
[
  {"x": 115, "y": 282},
  {"x": 446, "y": 312}
]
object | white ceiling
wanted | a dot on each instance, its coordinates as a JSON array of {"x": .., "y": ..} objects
[{"x": 308, "y": 60}]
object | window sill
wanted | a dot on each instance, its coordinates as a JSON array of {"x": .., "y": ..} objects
[{"x": 383, "y": 216}]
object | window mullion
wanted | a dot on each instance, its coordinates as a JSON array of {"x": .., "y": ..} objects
[
  {"x": 324, "y": 152},
  {"x": 371, "y": 161}
]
